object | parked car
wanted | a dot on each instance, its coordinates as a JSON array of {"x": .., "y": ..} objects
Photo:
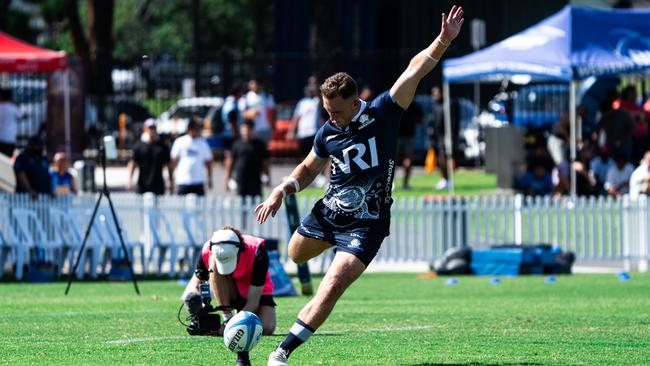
[{"x": 174, "y": 121}]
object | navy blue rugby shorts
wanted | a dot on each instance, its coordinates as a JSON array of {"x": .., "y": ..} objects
[{"x": 362, "y": 241}]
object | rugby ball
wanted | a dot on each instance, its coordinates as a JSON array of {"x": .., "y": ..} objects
[{"x": 243, "y": 331}]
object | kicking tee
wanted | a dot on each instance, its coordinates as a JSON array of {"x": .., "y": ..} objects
[{"x": 363, "y": 164}]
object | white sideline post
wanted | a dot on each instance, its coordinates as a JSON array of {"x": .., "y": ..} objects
[
  {"x": 148, "y": 203},
  {"x": 518, "y": 221},
  {"x": 625, "y": 232},
  {"x": 644, "y": 241}
]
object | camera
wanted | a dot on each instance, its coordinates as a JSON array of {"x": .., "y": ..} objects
[{"x": 203, "y": 317}]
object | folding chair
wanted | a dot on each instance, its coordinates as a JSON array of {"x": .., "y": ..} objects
[
  {"x": 158, "y": 220},
  {"x": 30, "y": 227},
  {"x": 10, "y": 243},
  {"x": 64, "y": 227},
  {"x": 195, "y": 231},
  {"x": 108, "y": 225},
  {"x": 96, "y": 244}
]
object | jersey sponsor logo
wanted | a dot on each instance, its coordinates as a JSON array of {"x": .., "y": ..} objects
[
  {"x": 355, "y": 153},
  {"x": 389, "y": 180},
  {"x": 365, "y": 120},
  {"x": 354, "y": 243}
]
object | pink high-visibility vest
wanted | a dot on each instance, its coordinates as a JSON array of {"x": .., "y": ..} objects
[{"x": 243, "y": 274}]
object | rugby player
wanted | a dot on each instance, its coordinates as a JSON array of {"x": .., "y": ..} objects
[{"x": 354, "y": 215}]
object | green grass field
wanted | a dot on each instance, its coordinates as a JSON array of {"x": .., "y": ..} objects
[{"x": 384, "y": 319}]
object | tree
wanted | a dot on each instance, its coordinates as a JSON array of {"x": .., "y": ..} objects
[{"x": 96, "y": 49}]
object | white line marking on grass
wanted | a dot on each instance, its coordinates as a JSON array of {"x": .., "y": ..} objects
[
  {"x": 145, "y": 339},
  {"x": 325, "y": 332}
]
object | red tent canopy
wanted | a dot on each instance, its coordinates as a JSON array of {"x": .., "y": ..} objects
[{"x": 18, "y": 56}]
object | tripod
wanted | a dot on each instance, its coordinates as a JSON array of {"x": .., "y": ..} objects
[{"x": 103, "y": 193}]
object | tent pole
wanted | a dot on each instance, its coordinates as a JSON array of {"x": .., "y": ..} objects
[
  {"x": 572, "y": 126},
  {"x": 66, "y": 111},
  {"x": 448, "y": 148}
]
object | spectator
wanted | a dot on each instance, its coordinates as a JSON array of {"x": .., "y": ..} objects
[
  {"x": 536, "y": 181},
  {"x": 585, "y": 183},
  {"x": 255, "y": 106},
  {"x": 231, "y": 117},
  {"x": 411, "y": 117},
  {"x": 437, "y": 133},
  {"x": 618, "y": 176},
  {"x": 306, "y": 120},
  {"x": 599, "y": 167},
  {"x": 640, "y": 179},
  {"x": 615, "y": 127},
  {"x": 559, "y": 140},
  {"x": 639, "y": 135},
  {"x": 150, "y": 157},
  {"x": 191, "y": 159},
  {"x": 9, "y": 116},
  {"x": 63, "y": 182},
  {"x": 31, "y": 169},
  {"x": 249, "y": 161}
]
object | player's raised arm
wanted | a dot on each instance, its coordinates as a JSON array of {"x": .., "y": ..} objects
[
  {"x": 301, "y": 177},
  {"x": 404, "y": 88}
]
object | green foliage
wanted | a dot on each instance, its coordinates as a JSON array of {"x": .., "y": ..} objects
[
  {"x": 155, "y": 27},
  {"x": 383, "y": 319},
  {"x": 166, "y": 27}
]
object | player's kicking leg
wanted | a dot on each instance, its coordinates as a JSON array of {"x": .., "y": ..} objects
[{"x": 344, "y": 270}]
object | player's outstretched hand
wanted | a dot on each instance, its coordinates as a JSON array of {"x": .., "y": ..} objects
[
  {"x": 451, "y": 24},
  {"x": 269, "y": 207}
]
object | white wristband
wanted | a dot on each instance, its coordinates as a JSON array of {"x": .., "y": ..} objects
[
  {"x": 294, "y": 182},
  {"x": 441, "y": 42}
]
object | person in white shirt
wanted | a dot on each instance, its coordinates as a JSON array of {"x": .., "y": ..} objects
[
  {"x": 191, "y": 159},
  {"x": 640, "y": 179},
  {"x": 618, "y": 176},
  {"x": 306, "y": 120},
  {"x": 9, "y": 116},
  {"x": 255, "y": 106}
]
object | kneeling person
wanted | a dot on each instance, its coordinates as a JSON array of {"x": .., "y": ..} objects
[{"x": 236, "y": 266}]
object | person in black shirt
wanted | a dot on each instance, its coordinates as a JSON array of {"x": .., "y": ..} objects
[
  {"x": 150, "y": 157},
  {"x": 411, "y": 117},
  {"x": 247, "y": 163},
  {"x": 32, "y": 169}
]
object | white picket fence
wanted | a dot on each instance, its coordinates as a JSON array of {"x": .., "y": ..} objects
[{"x": 597, "y": 229}]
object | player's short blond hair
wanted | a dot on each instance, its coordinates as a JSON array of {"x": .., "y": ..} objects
[{"x": 339, "y": 85}]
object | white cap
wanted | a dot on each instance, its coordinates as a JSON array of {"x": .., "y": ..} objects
[
  {"x": 225, "y": 250},
  {"x": 149, "y": 122}
]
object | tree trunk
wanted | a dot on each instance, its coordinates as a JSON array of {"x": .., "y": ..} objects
[{"x": 100, "y": 23}]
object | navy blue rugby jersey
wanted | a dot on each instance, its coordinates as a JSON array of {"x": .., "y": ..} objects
[{"x": 363, "y": 163}]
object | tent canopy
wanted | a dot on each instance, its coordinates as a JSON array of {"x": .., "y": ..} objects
[
  {"x": 18, "y": 56},
  {"x": 573, "y": 44}
]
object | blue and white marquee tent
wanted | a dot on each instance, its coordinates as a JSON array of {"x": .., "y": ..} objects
[{"x": 569, "y": 46}]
